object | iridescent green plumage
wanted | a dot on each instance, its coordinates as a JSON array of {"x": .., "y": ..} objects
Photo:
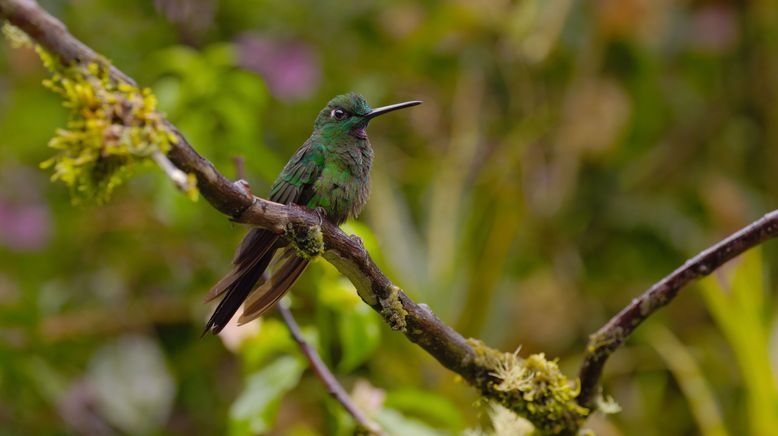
[{"x": 331, "y": 171}]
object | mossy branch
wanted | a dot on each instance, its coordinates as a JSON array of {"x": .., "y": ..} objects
[
  {"x": 532, "y": 387},
  {"x": 113, "y": 127},
  {"x": 548, "y": 398}
]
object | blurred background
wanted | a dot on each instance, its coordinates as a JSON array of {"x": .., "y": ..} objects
[{"x": 568, "y": 154}]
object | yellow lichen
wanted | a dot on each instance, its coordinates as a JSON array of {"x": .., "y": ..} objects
[
  {"x": 308, "y": 242},
  {"x": 393, "y": 311},
  {"x": 485, "y": 356},
  {"x": 512, "y": 374},
  {"x": 603, "y": 341},
  {"x": 16, "y": 36},
  {"x": 607, "y": 405},
  {"x": 191, "y": 190},
  {"x": 533, "y": 388},
  {"x": 113, "y": 127}
]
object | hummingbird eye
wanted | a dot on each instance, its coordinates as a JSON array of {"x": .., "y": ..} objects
[{"x": 338, "y": 114}]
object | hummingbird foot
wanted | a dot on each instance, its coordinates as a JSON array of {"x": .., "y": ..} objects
[
  {"x": 357, "y": 240},
  {"x": 321, "y": 213},
  {"x": 244, "y": 187}
]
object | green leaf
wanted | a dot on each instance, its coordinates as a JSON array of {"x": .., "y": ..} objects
[
  {"x": 247, "y": 87},
  {"x": 689, "y": 375},
  {"x": 395, "y": 423},
  {"x": 273, "y": 338},
  {"x": 432, "y": 407},
  {"x": 357, "y": 228},
  {"x": 335, "y": 291},
  {"x": 180, "y": 60},
  {"x": 360, "y": 334},
  {"x": 255, "y": 409},
  {"x": 737, "y": 304},
  {"x": 168, "y": 91},
  {"x": 220, "y": 55}
]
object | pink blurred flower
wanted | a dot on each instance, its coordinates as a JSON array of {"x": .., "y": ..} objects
[
  {"x": 25, "y": 221},
  {"x": 715, "y": 29},
  {"x": 290, "y": 68}
]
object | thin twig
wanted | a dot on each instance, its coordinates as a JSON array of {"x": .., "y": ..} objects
[
  {"x": 610, "y": 337},
  {"x": 240, "y": 167},
  {"x": 324, "y": 375},
  {"x": 178, "y": 177}
]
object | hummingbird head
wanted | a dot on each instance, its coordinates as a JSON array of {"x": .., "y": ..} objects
[{"x": 348, "y": 115}]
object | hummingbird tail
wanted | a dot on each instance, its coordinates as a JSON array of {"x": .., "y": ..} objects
[
  {"x": 267, "y": 295},
  {"x": 251, "y": 260}
]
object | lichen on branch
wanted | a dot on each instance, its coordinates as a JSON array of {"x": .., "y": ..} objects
[
  {"x": 534, "y": 388},
  {"x": 113, "y": 126},
  {"x": 308, "y": 242}
]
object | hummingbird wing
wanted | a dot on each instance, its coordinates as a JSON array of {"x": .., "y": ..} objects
[{"x": 293, "y": 185}]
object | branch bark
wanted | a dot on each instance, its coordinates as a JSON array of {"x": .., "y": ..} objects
[{"x": 613, "y": 334}]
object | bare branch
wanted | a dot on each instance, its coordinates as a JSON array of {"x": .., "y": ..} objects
[
  {"x": 324, "y": 375},
  {"x": 178, "y": 177},
  {"x": 240, "y": 167},
  {"x": 610, "y": 337}
]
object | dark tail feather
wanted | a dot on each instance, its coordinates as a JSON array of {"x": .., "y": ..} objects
[
  {"x": 255, "y": 245},
  {"x": 251, "y": 261},
  {"x": 272, "y": 290}
]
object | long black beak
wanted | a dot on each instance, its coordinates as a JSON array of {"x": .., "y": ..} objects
[{"x": 392, "y": 107}]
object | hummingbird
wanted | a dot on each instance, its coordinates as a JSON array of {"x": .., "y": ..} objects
[{"x": 330, "y": 172}]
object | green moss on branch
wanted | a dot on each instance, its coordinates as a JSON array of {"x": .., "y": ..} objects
[
  {"x": 533, "y": 388},
  {"x": 113, "y": 126},
  {"x": 393, "y": 311},
  {"x": 308, "y": 242}
]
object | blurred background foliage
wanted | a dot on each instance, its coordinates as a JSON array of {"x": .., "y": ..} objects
[{"x": 568, "y": 154}]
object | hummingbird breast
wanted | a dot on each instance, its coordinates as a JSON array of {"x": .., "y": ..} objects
[{"x": 344, "y": 185}]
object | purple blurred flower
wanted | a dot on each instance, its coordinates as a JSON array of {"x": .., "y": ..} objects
[
  {"x": 290, "y": 68},
  {"x": 25, "y": 221},
  {"x": 715, "y": 29},
  {"x": 194, "y": 16}
]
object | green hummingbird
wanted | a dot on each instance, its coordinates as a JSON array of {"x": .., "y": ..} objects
[{"x": 329, "y": 172}]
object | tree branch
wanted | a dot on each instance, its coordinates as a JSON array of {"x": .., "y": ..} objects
[
  {"x": 347, "y": 254},
  {"x": 178, "y": 177},
  {"x": 610, "y": 337},
  {"x": 473, "y": 361}
]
